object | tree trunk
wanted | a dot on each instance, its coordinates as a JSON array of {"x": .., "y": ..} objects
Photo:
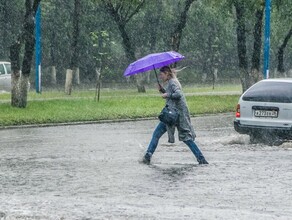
[
  {"x": 280, "y": 67},
  {"x": 53, "y": 75},
  {"x": 139, "y": 83},
  {"x": 68, "y": 82},
  {"x": 4, "y": 27},
  {"x": 26, "y": 64},
  {"x": 241, "y": 44},
  {"x": 15, "y": 93},
  {"x": 74, "y": 48},
  {"x": 121, "y": 14},
  {"x": 23, "y": 90},
  {"x": 127, "y": 45},
  {"x": 77, "y": 76},
  {"x": 53, "y": 59},
  {"x": 131, "y": 56},
  {"x": 98, "y": 83},
  {"x": 177, "y": 34},
  {"x": 215, "y": 76},
  {"x": 15, "y": 66},
  {"x": 255, "y": 68},
  {"x": 20, "y": 82}
]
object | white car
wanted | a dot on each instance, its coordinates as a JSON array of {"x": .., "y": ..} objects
[
  {"x": 264, "y": 112},
  {"x": 5, "y": 76}
]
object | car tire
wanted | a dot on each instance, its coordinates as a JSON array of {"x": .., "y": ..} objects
[
  {"x": 272, "y": 139},
  {"x": 275, "y": 141},
  {"x": 254, "y": 139},
  {"x": 268, "y": 139}
]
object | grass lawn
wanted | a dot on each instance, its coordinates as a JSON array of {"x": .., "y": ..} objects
[{"x": 57, "y": 107}]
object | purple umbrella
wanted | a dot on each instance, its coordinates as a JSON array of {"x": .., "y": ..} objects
[{"x": 152, "y": 61}]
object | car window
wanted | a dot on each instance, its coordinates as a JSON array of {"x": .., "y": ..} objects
[
  {"x": 2, "y": 70},
  {"x": 270, "y": 92},
  {"x": 8, "y": 68}
]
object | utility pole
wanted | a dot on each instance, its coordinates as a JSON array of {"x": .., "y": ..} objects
[
  {"x": 267, "y": 39},
  {"x": 38, "y": 50}
]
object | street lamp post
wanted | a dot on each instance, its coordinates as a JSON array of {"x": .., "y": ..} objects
[
  {"x": 38, "y": 51},
  {"x": 267, "y": 39}
]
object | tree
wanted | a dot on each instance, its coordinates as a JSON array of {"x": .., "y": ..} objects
[
  {"x": 283, "y": 16},
  {"x": 257, "y": 46},
  {"x": 280, "y": 67},
  {"x": 20, "y": 82},
  {"x": 147, "y": 25},
  {"x": 122, "y": 12},
  {"x": 73, "y": 69},
  {"x": 101, "y": 42},
  {"x": 9, "y": 24},
  {"x": 247, "y": 77},
  {"x": 4, "y": 30},
  {"x": 212, "y": 32},
  {"x": 208, "y": 43},
  {"x": 177, "y": 33}
]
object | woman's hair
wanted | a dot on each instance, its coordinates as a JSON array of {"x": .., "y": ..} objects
[{"x": 170, "y": 73}]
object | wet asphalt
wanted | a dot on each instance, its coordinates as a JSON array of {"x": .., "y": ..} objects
[{"x": 94, "y": 171}]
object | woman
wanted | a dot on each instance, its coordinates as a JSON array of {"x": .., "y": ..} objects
[{"x": 174, "y": 98}]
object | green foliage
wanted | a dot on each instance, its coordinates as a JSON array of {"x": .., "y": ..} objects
[
  {"x": 11, "y": 13},
  {"x": 210, "y": 32}
]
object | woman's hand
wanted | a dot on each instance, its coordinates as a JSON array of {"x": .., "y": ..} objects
[{"x": 164, "y": 95}]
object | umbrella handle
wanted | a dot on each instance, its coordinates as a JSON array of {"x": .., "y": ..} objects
[{"x": 161, "y": 89}]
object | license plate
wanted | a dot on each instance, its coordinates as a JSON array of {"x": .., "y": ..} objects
[{"x": 266, "y": 113}]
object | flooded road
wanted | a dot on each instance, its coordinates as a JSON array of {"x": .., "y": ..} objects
[{"x": 94, "y": 172}]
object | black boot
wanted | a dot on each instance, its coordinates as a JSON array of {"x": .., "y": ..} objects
[
  {"x": 147, "y": 158},
  {"x": 203, "y": 161}
]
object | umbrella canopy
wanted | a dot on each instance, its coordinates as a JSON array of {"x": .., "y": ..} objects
[{"x": 152, "y": 61}]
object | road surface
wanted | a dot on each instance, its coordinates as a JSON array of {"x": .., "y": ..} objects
[{"x": 94, "y": 172}]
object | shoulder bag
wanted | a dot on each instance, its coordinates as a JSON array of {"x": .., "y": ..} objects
[{"x": 169, "y": 115}]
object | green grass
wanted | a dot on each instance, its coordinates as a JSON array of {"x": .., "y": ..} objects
[{"x": 57, "y": 107}]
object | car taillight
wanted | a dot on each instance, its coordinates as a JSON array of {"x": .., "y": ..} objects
[{"x": 237, "y": 114}]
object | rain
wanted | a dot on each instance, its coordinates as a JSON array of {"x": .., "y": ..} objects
[
  {"x": 94, "y": 170},
  {"x": 209, "y": 40}
]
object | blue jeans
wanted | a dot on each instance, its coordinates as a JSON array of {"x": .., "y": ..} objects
[{"x": 159, "y": 131}]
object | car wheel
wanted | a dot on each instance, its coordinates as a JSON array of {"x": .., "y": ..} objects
[
  {"x": 254, "y": 139},
  {"x": 275, "y": 141},
  {"x": 278, "y": 142},
  {"x": 272, "y": 139}
]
